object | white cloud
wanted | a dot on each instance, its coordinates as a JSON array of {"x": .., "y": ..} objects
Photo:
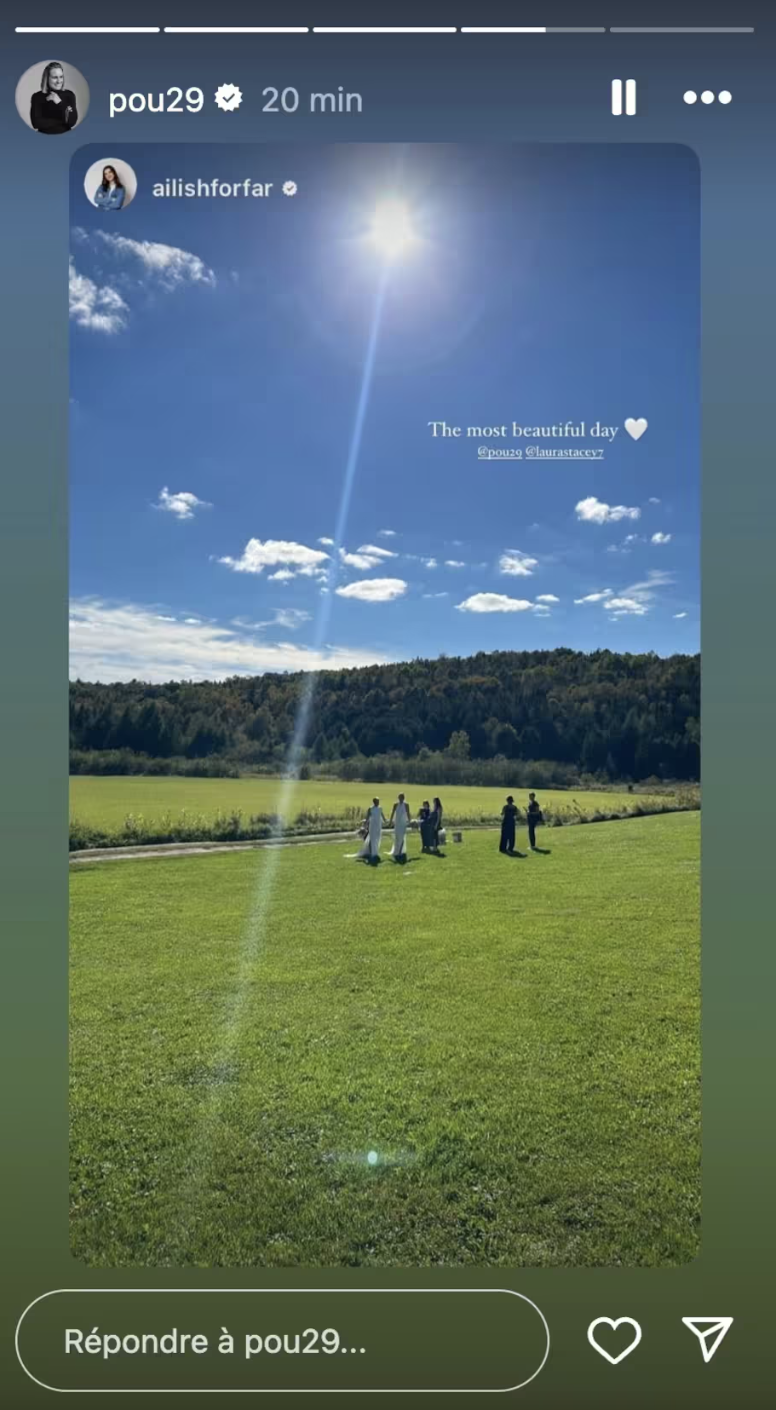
[
  {"x": 656, "y": 577},
  {"x": 366, "y": 557},
  {"x": 311, "y": 570},
  {"x": 182, "y": 503},
  {"x": 96, "y": 307},
  {"x": 362, "y": 561},
  {"x": 516, "y": 564},
  {"x": 454, "y": 563},
  {"x": 493, "y": 602},
  {"x": 283, "y": 575},
  {"x": 257, "y": 556},
  {"x": 678, "y": 616},
  {"x": 627, "y": 606},
  {"x": 327, "y": 543},
  {"x": 374, "y": 552},
  {"x": 432, "y": 595},
  {"x": 660, "y": 538},
  {"x": 291, "y": 618},
  {"x": 547, "y": 597},
  {"x": 594, "y": 511},
  {"x": 626, "y": 545},
  {"x": 653, "y": 500},
  {"x": 386, "y": 533},
  {"x": 168, "y": 264},
  {"x": 594, "y": 597},
  {"x": 102, "y": 308},
  {"x": 374, "y": 589},
  {"x": 635, "y": 600},
  {"x": 429, "y": 562},
  {"x": 126, "y": 641}
]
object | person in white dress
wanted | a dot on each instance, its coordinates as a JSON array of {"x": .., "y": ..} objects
[
  {"x": 374, "y": 823},
  {"x": 400, "y": 820}
]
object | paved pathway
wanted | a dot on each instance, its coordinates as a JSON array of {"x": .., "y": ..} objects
[{"x": 195, "y": 849}]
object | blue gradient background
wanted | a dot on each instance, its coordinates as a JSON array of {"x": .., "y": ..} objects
[{"x": 449, "y": 88}]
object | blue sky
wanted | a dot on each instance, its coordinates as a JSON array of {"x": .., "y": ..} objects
[{"x": 218, "y": 351}]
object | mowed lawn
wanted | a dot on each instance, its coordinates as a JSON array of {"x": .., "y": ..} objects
[
  {"x": 107, "y": 801},
  {"x": 516, "y": 1042}
]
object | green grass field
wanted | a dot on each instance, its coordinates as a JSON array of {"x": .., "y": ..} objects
[
  {"x": 107, "y": 801},
  {"x": 516, "y": 1040}
]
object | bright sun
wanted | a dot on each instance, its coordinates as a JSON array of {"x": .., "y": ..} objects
[{"x": 391, "y": 229}]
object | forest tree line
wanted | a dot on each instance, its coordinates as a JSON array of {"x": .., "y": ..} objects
[{"x": 605, "y": 714}]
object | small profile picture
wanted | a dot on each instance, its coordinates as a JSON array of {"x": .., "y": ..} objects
[
  {"x": 110, "y": 184},
  {"x": 52, "y": 97}
]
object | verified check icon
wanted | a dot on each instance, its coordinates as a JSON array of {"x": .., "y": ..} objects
[{"x": 228, "y": 97}]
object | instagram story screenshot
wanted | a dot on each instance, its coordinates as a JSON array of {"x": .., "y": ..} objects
[{"x": 387, "y": 980}]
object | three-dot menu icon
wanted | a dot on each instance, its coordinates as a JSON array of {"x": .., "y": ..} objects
[{"x": 708, "y": 97}]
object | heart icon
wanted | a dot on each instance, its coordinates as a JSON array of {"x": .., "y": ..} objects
[
  {"x": 614, "y": 1324},
  {"x": 636, "y": 426}
]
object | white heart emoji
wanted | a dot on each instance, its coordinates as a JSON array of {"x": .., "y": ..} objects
[
  {"x": 614, "y": 1324},
  {"x": 636, "y": 426}
]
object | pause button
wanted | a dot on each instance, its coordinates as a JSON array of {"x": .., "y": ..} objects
[{"x": 630, "y": 97}]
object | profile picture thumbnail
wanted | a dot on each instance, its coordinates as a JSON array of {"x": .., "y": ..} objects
[
  {"x": 52, "y": 97},
  {"x": 110, "y": 184}
]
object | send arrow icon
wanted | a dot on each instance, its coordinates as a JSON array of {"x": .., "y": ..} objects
[{"x": 710, "y": 1332}]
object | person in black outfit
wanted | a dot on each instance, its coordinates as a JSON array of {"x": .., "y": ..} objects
[
  {"x": 508, "y": 821},
  {"x": 53, "y": 110},
  {"x": 423, "y": 817},
  {"x": 534, "y": 818},
  {"x": 434, "y": 824}
]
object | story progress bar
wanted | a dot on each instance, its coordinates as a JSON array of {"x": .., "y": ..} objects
[{"x": 383, "y": 29}]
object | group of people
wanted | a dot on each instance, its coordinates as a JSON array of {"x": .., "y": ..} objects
[
  {"x": 429, "y": 822},
  {"x": 509, "y": 814}
]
